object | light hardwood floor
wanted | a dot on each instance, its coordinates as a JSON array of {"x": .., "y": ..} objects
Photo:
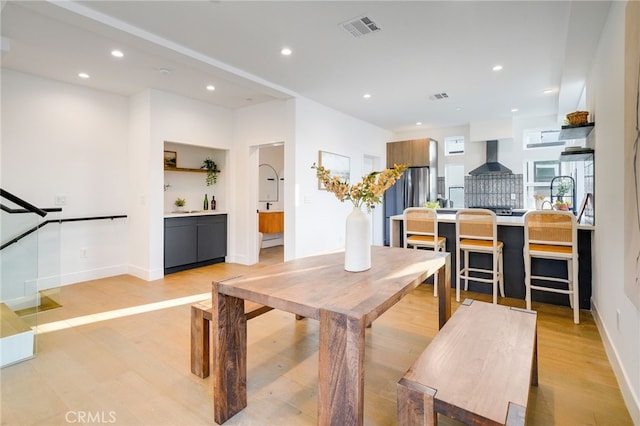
[{"x": 118, "y": 352}]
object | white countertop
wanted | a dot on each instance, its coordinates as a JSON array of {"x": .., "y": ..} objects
[
  {"x": 194, "y": 213},
  {"x": 501, "y": 220}
]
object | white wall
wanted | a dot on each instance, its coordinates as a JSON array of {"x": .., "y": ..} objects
[
  {"x": 189, "y": 121},
  {"x": 605, "y": 95},
  {"x": 62, "y": 139},
  {"x": 510, "y": 150},
  {"x": 138, "y": 190},
  {"x": 319, "y": 216},
  {"x": 519, "y": 155},
  {"x": 254, "y": 126},
  {"x": 105, "y": 154}
]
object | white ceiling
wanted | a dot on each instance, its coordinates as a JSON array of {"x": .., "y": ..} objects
[{"x": 423, "y": 48}]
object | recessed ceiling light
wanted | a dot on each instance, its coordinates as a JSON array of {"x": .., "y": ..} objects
[
  {"x": 164, "y": 71},
  {"x": 547, "y": 91},
  {"x": 286, "y": 51},
  {"x": 117, "y": 53},
  {"x": 367, "y": 95},
  {"x": 83, "y": 75},
  {"x": 497, "y": 67},
  {"x": 458, "y": 109},
  {"x": 211, "y": 87},
  {"x": 514, "y": 109},
  {"x": 419, "y": 123}
]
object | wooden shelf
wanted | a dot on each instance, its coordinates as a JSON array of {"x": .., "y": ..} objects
[
  {"x": 584, "y": 154},
  {"x": 575, "y": 131},
  {"x": 185, "y": 170}
]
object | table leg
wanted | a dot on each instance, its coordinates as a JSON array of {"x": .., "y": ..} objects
[
  {"x": 341, "y": 370},
  {"x": 444, "y": 293},
  {"x": 394, "y": 233},
  {"x": 230, "y": 356}
]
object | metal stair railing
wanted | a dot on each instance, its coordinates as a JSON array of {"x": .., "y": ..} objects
[{"x": 30, "y": 208}]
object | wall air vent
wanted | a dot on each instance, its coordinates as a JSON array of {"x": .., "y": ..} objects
[
  {"x": 360, "y": 26},
  {"x": 439, "y": 96}
]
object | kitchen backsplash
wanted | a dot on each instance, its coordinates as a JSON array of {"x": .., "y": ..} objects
[{"x": 494, "y": 191}]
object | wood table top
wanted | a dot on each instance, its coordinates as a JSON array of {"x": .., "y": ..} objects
[{"x": 307, "y": 285}]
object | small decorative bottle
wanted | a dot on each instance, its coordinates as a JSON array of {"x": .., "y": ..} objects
[
  {"x": 206, "y": 203},
  {"x": 213, "y": 202}
]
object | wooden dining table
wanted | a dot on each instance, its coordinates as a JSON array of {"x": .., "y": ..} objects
[{"x": 344, "y": 302}]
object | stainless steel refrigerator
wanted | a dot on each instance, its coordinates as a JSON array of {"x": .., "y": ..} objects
[{"x": 413, "y": 189}]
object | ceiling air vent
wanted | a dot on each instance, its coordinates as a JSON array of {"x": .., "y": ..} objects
[
  {"x": 439, "y": 96},
  {"x": 360, "y": 26}
]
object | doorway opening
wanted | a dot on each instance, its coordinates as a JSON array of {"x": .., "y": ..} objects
[{"x": 270, "y": 203}]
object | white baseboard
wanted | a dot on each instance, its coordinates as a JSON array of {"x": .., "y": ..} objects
[
  {"x": 24, "y": 302},
  {"x": 239, "y": 258},
  {"x": 272, "y": 243},
  {"x": 145, "y": 274},
  {"x": 629, "y": 396},
  {"x": 92, "y": 274}
]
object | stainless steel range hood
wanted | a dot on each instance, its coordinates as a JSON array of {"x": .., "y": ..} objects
[{"x": 491, "y": 166}]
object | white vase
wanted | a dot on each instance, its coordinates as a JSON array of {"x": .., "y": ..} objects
[
  {"x": 357, "y": 251},
  {"x": 539, "y": 204}
]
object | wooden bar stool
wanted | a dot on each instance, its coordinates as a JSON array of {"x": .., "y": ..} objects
[
  {"x": 477, "y": 232},
  {"x": 421, "y": 230},
  {"x": 550, "y": 234}
]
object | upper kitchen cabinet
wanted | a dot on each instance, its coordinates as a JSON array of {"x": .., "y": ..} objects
[{"x": 415, "y": 153}]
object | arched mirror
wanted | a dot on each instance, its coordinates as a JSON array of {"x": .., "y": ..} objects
[{"x": 267, "y": 183}]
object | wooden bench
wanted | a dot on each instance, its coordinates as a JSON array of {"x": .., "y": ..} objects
[
  {"x": 477, "y": 370},
  {"x": 200, "y": 323}
]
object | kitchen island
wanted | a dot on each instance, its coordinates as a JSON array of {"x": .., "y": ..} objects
[{"x": 511, "y": 233}]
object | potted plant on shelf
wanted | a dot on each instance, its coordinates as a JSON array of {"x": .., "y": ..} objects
[
  {"x": 562, "y": 189},
  {"x": 179, "y": 203},
  {"x": 212, "y": 170}
]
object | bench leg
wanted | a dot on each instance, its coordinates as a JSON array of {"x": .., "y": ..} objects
[
  {"x": 199, "y": 343},
  {"x": 416, "y": 404}
]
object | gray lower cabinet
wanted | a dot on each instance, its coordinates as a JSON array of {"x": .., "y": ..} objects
[
  {"x": 194, "y": 241},
  {"x": 180, "y": 241},
  {"x": 212, "y": 237}
]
